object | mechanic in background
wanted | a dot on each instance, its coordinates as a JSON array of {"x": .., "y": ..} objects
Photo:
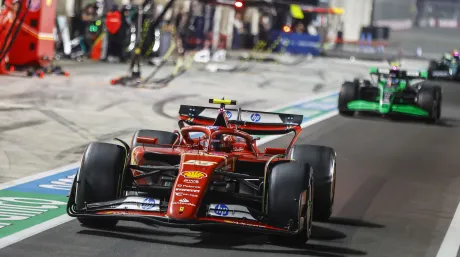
[
  {"x": 113, "y": 22},
  {"x": 238, "y": 30},
  {"x": 264, "y": 30},
  {"x": 299, "y": 28},
  {"x": 87, "y": 18}
]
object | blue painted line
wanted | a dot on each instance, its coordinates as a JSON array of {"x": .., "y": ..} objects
[{"x": 58, "y": 184}]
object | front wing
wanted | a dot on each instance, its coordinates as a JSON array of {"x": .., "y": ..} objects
[
  {"x": 405, "y": 109},
  {"x": 149, "y": 212},
  {"x": 442, "y": 74}
]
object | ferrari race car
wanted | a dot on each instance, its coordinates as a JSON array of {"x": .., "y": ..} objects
[
  {"x": 393, "y": 93},
  {"x": 209, "y": 173},
  {"x": 447, "y": 68}
]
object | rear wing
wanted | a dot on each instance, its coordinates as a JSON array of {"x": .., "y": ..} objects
[
  {"x": 402, "y": 74},
  {"x": 252, "y": 122}
]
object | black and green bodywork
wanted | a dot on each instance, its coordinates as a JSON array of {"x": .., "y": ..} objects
[{"x": 392, "y": 93}]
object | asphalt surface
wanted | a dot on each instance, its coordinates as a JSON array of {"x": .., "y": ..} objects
[
  {"x": 397, "y": 189},
  {"x": 431, "y": 40}
]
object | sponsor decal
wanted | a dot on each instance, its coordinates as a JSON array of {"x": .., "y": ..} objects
[
  {"x": 229, "y": 114},
  {"x": 440, "y": 73},
  {"x": 181, "y": 209},
  {"x": 221, "y": 210},
  {"x": 147, "y": 204},
  {"x": 230, "y": 211},
  {"x": 386, "y": 98},
  {"x": 184, "y": 200},
  {"x": 188, "y": 186},
  {"x": 180, "y": 203},
  {"x": 255, "y": 117},
  {"x": 191, "y": 181},
  {"x": 213, "y": 127},
  {"x": 186, "y": 194},
  {"x": 187, "y": 190},
  {"x": 200, "y": 163},
  {"x": 194, "y": 174}
]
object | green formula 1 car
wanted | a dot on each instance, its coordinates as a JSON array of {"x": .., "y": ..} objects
[{"x": 394, "y": 92}]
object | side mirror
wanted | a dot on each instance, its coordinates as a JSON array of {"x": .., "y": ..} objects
[{"x": 147, "y": 140}]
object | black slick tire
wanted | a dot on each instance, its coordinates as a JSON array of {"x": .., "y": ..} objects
[
  {"x": 289, "y": 201},
  {"x": 323, "y": 161},
  {"x": 348, "y": 93},
  {"x": 98, "y": 179},
  {"x": 429, "y": 98}
]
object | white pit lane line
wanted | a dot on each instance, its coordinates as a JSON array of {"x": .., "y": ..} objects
[
  {"x": 451, "y": 243},
  {"x": 21, "y": 235}
]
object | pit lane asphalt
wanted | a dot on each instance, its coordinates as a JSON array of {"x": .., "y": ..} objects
[{"x": 397, "y": 190}]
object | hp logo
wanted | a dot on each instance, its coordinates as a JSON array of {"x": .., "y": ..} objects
[
  {"x": 255, "y": 117},
  {"x": 221, "y": 210}
]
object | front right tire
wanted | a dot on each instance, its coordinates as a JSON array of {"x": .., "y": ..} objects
[{"x": 289, "y": 201}]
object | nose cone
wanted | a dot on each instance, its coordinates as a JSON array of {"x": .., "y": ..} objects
[{"x": 191, "y": 184}]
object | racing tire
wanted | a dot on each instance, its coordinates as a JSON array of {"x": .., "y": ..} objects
[
  {"x": 348, "y": 93},
  {"x": 323, "y": 161},
  {"x": 98, "y": 179},
  {"x": 432, "y": 66},
  {"x": 289, "y": 201},
  {"x": 429, "y": 98},
  {"x": 164, "y": 137}
]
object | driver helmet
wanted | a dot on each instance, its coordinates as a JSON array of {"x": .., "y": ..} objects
[{"x": 221, "y": 144}]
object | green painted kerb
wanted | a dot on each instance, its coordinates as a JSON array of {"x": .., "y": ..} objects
[{"x": 19, "y": 210}]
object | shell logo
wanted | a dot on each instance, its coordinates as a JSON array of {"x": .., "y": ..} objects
[{"x": 194, "y": 174}]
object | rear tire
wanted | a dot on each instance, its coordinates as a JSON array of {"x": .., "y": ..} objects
[
  {"x": 348, "y": 93},
  {"x": 290, "y": 201},
  {"x": 98, "y": 179},
  {"x": 323, "y": 161},
  {"x": 164, "y": 137}
]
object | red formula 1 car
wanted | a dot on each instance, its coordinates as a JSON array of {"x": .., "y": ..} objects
[{"x": 209, "y": 173}]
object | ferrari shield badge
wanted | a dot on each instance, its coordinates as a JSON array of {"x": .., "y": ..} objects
[{"x": 181, "y": 209}]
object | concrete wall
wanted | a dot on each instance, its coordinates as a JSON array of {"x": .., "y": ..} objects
[{"x": 357, "y": 14}]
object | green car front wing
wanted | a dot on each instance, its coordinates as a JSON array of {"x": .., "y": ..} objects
[{"x": 362, "y": 105}]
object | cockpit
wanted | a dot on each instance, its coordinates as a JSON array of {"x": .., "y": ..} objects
[{"x": 218, "y": 139}]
